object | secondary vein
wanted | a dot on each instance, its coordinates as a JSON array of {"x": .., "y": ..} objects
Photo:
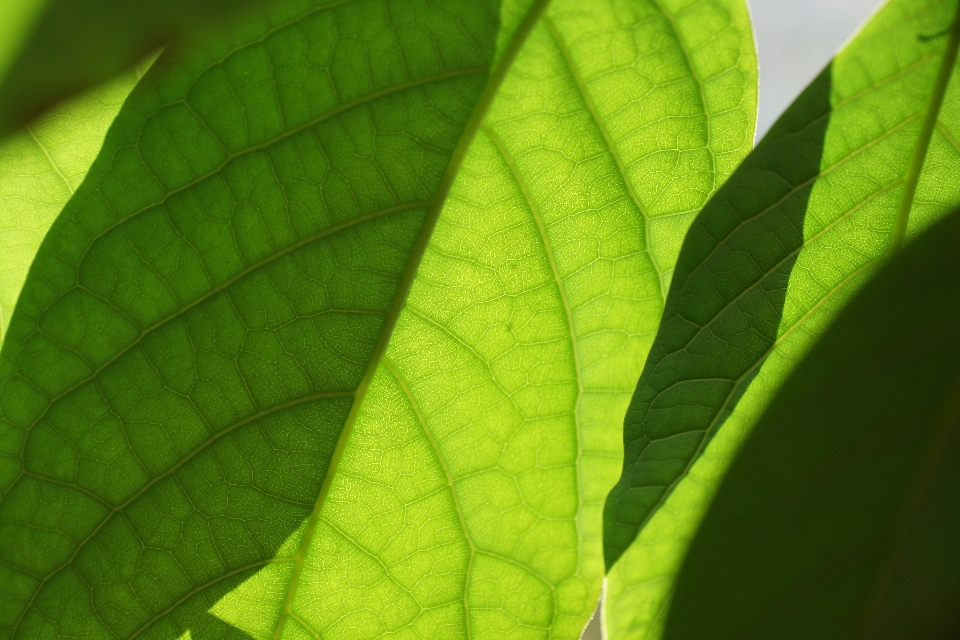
[
  {"x": 592, "y": 109},
  {"x": 453, "y": 489},
  {"x": 568, "y": 310},
  {"x": 49, "y": 158}
]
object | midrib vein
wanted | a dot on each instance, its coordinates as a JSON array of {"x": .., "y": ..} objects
[
  {"x": 498, "y": 73},
  {"x": 912, "y": 179},
  {"x": 591, "y": 108},
  {"x": 453, "y": 489}
]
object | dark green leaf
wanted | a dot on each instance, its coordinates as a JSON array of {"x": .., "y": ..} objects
[{"x": 840, "y": 517}]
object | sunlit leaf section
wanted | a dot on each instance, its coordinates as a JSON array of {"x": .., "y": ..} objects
[
  {"x": 197, "y": 322},
  {"x": 467, "y": 503}
]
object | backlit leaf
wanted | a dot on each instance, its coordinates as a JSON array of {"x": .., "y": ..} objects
[
  {"x": 467, "y": 502},
  {"x": 766, "y": 265},
  {"x": 192, "y": 384},
  {"x": 50, "y": 49}
]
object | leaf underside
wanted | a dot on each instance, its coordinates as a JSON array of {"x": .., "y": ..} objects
[
  {"x": 770, "y": 260},
  {"x": 192, "y": 384}
]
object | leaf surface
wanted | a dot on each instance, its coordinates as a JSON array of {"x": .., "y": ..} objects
[
  {"x": 219, "y": 286},
  {"x": 41, "y": 166},
  {"x": 469, "y": 495},
  {"x": 841, "y": 514},
  {"x": 770, "y": 260},
  {"x": 193, "y": 381}
]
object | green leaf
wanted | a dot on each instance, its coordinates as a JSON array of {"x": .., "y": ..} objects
[
  {"x": 192, "y": 384},
  {"x": 484, "y": 448},
  {"x": 41, "y": 166},
  {"x": 766, "y": 265},
  {"x": 50, "y": 49},
  {"x": 218, "y": 286},
  {"x": 840, "y": 516}
]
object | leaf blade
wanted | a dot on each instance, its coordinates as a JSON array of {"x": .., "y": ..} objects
[
  {"x": 823, "y": 226},
  {"x": 888, "y": 360},
  {"x": 245, "y": 261},
  {"x": 263, "y": 404},
  {"x": 43, "y": 165},
  {"x": 419, "y": 411}
]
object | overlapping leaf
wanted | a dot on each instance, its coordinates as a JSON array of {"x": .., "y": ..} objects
[
  {"x": 214, "y": 293},
  {"x": 50, "y": 49},
  {"x": 766, "y": 265},
  {"x": 840, "y": 517},
  {"x": 199, "y": 340},
  {"x": 467, "y": 502},
  {"x": 41, "y": 166}
]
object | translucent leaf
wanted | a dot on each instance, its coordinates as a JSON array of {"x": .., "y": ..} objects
[
  {"x": 198, "y": 381},
  {"x": 781, "y": 247},
  {"x": 41, "y": 166}
]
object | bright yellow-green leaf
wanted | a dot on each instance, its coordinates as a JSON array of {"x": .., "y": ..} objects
[
  {"x": 467, "y": 502},
  {"x": 767, "y": 264}
]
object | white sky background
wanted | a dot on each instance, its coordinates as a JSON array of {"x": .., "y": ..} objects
[{"x": 795, "y": 41}]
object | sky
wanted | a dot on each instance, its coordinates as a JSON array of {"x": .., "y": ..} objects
[{"x": 795, "y": 41}]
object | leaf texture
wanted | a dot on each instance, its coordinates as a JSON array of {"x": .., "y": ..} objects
[
  {"x": 186, "y": 377},
  {"x": 840, "y": 516},
  {"x": 467, "y": 502},
  {"x": 766, "y": 265},
  {"x": 41, "y": 166},
  {"x": 216, "y": 291}
]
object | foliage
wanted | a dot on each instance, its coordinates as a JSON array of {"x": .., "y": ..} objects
[
  {"x": 839, "y": 517},
  {"x": 799, "y": 227},
  {"x": 333, "y": 331}
]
